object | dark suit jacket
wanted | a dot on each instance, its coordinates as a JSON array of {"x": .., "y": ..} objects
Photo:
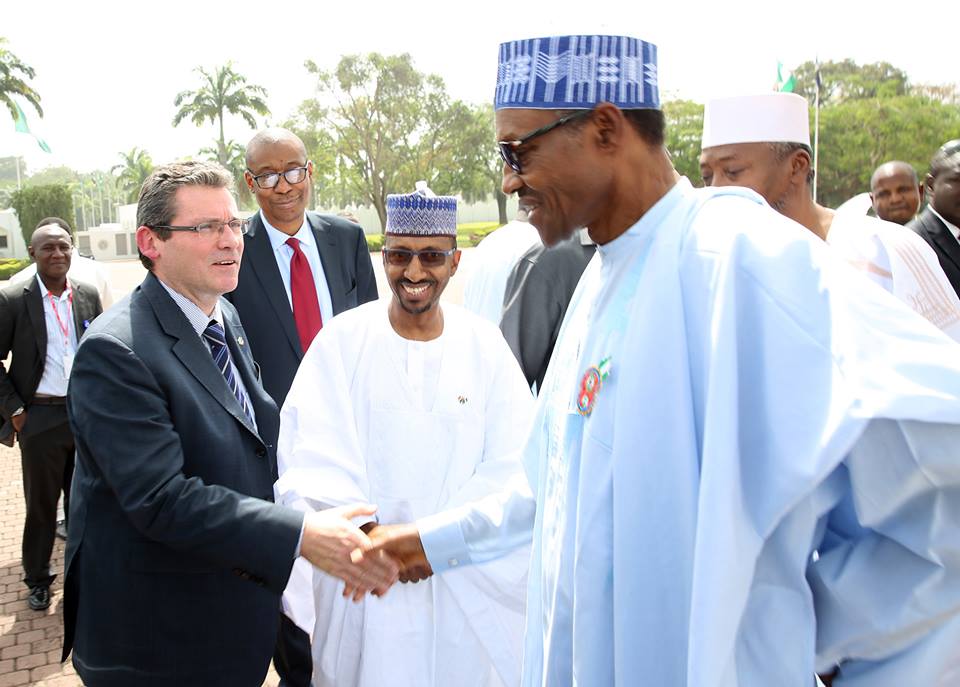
[
  {"x": 935, "y": 232},
  {"x": 23, "y": 332},
  {"x": 538, "y": 291},
  {"x": 175, "y": 560},
  {"x": 261, "y": 298}
]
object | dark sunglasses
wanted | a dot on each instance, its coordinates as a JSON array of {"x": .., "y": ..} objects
[
  {"x": 508, "y": 149},
  {"x": 401, "y": 257}
]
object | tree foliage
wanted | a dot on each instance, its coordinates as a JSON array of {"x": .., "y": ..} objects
[
  {"x": 684, "y": 120},
  {"x": 222, "y": 91},
  {"x": 33, "y": 203},
  {"x": 847, "y": 80},
  {"x": 132, "y": 172},
  {"x": 390, "y": 126},
  {"x": 14, "y": 81},
  {"x": 858, "y": 135}
]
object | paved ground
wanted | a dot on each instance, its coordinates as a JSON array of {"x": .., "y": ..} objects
[{"x": 31, "y": 641}]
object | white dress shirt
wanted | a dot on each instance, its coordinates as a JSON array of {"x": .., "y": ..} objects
[
  {"x": 283, "y": 253},
  {"x": 60, "y": 347}
]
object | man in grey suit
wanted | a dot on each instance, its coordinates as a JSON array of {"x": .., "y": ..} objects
[
  {"x": 939, "y": 223},
  {"x": 300, "y": 269},
  {"x": 41, "y": 322},
  {"x": 175, "y": 556}
]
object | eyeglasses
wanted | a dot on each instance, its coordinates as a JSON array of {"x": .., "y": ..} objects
[
  {"x": 207, "y": 230},
  {"x": 271, "y": 179},
  {"x": 401, "y": 257},
  {"x": 508, "y": 149}
]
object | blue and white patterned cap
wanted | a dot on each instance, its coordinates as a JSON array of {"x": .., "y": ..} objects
[
  {"x": 421, "y": 213},
  {"x": 577, "y": 73}
]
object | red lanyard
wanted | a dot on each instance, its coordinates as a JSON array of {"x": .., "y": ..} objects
[{"x": 56, "y": 311}]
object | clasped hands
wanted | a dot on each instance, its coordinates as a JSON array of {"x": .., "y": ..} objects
[{"x": 368, "y": 560}]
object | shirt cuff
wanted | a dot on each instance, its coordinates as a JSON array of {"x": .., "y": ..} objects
[
  {"x": 303, "y": 526},
  {"x": 443, "y": 541}
]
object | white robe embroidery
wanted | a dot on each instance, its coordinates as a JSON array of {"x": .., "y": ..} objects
[
  {"x": 901, "y": 262},
  {"x": 359, "y": 425}
]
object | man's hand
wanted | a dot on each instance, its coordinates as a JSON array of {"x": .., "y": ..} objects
[
  {"x": 18, "y": 421},
  {"x": 331, "y": 542},
  {"x": 402, "y": 543}
]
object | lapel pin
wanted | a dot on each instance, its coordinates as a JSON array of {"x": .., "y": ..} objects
[
  {"x": 240, "y": 340},
  {"x": 462, "y": 400},
  {"x": 590, "y": 386}
]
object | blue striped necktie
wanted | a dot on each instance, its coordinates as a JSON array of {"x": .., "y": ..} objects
[{"x": 217, "y": 341}]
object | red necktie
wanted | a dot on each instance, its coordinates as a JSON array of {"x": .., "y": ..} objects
[{"x": 303, "y": 292}]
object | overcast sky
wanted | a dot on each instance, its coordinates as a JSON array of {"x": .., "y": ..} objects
[{"x": 108, "y": 71}]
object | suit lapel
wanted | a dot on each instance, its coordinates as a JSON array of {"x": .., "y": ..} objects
[
  {"x": 83, "y": 310},
  {"x": 191, "y": 351},
  {"x": 243, "y": 362},
  {"x": 34, "y": 302},
  {"x": 264, "y": 265},
  {"x": 327, "y": 247},
  {"x": 943, "y": 238}
]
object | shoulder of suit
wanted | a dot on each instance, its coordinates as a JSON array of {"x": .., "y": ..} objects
[{"x": 335, "y": 222}]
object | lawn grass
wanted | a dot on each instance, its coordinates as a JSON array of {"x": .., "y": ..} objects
[{"x": 468, "y": 234}]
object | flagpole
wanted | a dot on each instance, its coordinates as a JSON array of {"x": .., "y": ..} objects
[
  {"x": 816, "y": 130},
  {"x": 17, "y": 162}
]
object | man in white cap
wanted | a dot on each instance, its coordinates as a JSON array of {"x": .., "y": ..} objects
[
  {"x": 420, "y": 408},
  {"x": 714, "y": 413},
  {"x": 763, "y": 142}
]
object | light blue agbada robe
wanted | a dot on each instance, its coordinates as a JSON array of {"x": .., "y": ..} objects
[{"x": 767, "y": 484}]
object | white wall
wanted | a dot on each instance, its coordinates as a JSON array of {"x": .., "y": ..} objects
[{"x": 10, "y": 229}]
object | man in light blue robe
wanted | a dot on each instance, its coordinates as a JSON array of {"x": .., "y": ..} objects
[{"x": 746, "y": 457}]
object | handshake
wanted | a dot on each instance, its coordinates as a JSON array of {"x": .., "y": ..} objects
[{"x": 368, "y": 560}]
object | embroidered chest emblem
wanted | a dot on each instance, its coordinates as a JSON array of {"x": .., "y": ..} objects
[
  {"x": 590, "y": 386},
  {"x": 462, "y": 400}
]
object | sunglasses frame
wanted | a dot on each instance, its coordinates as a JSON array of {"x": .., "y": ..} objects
[
  {"x": 508, "y": 149},
  {"x": 418, "y": 254}
]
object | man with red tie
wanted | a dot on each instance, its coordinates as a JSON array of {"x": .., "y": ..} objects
[{"x": 300, "y": 269}]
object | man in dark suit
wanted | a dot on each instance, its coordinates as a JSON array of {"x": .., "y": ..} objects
[
  {"x": 175, "y": 556},
  {"x": 300, "y": 269},
  {"x": 939, "y": 223},
  {"x": 41, "y": 323}
]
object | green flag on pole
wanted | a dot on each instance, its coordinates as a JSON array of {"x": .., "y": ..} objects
[
  {"x": 785, "y": 86},
  {"x": 21, "y": 125}
]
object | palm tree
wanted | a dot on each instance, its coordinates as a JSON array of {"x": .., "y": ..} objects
[
  {"x": 223, "y": 90},
  {"x": 133, "y": 171},
  {"x": 236, "y": 165},
  {"x": 13, "y": 73}
]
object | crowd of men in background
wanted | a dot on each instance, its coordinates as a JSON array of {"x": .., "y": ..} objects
[{"x": 210, "y": 533}]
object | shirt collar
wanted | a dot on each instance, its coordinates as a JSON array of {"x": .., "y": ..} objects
[
  {"x": 44, "y": 290},
  {"x": 278, "y": 238},
  {"x": 954, "y": 229},
  {"x": 198, "y": 319}
]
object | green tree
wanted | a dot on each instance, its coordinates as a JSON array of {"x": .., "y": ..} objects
[
  {"x": 132, "y": 172},
  {"x": 33, "y": 203},
  {"x": 684, "y": 120},
  {"x": 333, "y": 184},
  {"x": 222, "y": 91},
  {"x": 856, "y": 136},
  {"x": 236, "y": 164},
  {"x": 14, "y": 76},
  {"x": 392, "y": 125},
  {"x": 847, "y": 80}
]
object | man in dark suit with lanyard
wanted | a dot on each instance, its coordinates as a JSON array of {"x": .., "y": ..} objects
[
  {"x": 41, "y": 323},
  {"x": 176, "y": 557},
  {"x": 939, "y": 223},
  {"x": 299, "y": 270}
]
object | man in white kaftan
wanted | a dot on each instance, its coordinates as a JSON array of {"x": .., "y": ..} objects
[
  {"x": 762, "y": 142},
  {"x": 491, "y": 264},
  {"x": 415, "y": 423},
  {"x": 727, "y": 399}
]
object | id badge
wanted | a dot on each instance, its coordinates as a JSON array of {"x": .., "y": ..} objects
[{"x": 67, "y": 364}]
